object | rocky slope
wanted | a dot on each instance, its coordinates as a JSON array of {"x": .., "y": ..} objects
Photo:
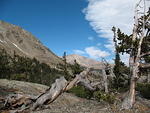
[
  {"x": 14, "y": 38},
  {"x": 84, "y": 61},
  {"x": 68, "y": 103}
]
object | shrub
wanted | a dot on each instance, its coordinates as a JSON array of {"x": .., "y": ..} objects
[
  {"x": 99, "y": 95},
  {"x": 144, "y": 89},
  {"x": 80, "y": 91},
  {"x": 21, "y": 77}
]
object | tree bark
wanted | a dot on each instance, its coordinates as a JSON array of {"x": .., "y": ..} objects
[
  {"x": 134, "y": 62},
  {"x": 148, "y": 76},
  {"x": 50, "y": 95},
  {"x": 59, "y": 87},
  {"x": 105, "y": 80},
  {"x": 144, "y": 65}
]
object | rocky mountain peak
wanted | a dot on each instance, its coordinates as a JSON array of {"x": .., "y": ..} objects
[
  {"x": 84, "y": 61},
  {"x": 14, "y": 38}
]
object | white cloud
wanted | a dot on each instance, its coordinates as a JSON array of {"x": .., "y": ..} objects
[
  {"x": 125, "y": 58},
  {"x": 110, "y": 47},
  {"x": 91, "y": 38},
  {"x": 104, "y": 14},
  {"x": 92, "y": 52},
  {"x": 95, "y": 52},
  {"x": 80, "y": 52}
]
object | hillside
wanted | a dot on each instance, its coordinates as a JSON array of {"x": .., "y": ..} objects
[
  {"x": 84, "y": 61},
  {"x": 14, "y": 38}
]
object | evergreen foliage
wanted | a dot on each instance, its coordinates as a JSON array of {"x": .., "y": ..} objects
[
  {"x": 82, "y": 92},
  {"x": 102, "y": 96},
  {"x": 144, "y": 89},
  {"x": 31, "y": 70},
  {"x": 65, "y": 68},
  {"x": 120, "y": 69},
  {"x": 76, "y": 68},
  {"x": 70, "y": 70},
  {"x": 124, "y": 42},
  {"x": 26, "y": 69}
]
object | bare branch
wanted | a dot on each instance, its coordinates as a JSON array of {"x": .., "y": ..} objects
[
  {"x": 142, "y": 65},
  {"x": 148, "y": 53}
]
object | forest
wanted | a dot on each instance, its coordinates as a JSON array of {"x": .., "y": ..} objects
[{"x": 31, "y": 70}]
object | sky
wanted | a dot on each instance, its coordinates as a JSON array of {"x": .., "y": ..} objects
[{"x": 75, "y": 26}]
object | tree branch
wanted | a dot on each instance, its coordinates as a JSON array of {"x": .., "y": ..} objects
[
  {"x": 148, "y": 53},
  {"x": 142, "y": 65}
]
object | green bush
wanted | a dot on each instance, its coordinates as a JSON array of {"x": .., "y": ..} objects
[
  {"x": 21, "y": 77},
  {"x": 99, "y": 95},
  {"x": 80, "y": 91},
  {"x": 144, "y": 89}
]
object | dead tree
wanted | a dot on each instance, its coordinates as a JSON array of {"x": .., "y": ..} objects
[
  {"x": 51, "y": 94},
  {"x": 134, "y": 60},
  {"x": 61, "y": 85},
  {"x": 109, "y": 69},
  {"x": 105, "y": 79}
]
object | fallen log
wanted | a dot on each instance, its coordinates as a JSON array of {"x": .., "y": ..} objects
[
  {"x": 61, "y": 85},
  {"x": 50, "y": 95}
]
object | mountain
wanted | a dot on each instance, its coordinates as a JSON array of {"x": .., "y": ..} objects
[
  {"x": 84, "y": 61},
  {"x": 14, "y": 38}
]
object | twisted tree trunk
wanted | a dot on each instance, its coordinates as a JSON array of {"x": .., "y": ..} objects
[
  {"x": 105, "y": 80},
  {"x": 135, "y": 59},
  {"x": 61, "y": 85}
]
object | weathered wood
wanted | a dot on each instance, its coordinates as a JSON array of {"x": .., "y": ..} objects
[
  {"x": 81, "y": 79},
  {"x": 148, "y": 53},
  {"x": 60, "y": 86},
  {"x": 105, "y": 78},
  {"x": 16, "y": 101},
  {"x": 142, "y": 65},
  {"x": 32, "y": 103},
  {"x": 135, "y": 58},
  {"x": 105, "y": 81},
  {"x": 50, "y": 95},
  {"x": 86, "y": 83},
  {"x": 72, "y": 83}
]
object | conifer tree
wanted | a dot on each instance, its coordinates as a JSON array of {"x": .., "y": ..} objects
[
  {"x": 77, "y": 69},
  {"x": 65, "y": 67},
  {"x": 133, "y": 45},
  {"x": 120, "y": 69}
]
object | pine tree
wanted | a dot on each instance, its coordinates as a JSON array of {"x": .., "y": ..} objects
[
  {"x": 77, "y": 69},
  {"x": 65, "y": 67},
  {"x": 133, "y": 46},
  {"x": 119, "y": 69}
]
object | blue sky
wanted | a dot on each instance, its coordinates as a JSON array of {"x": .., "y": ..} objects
[{"x": 75, "y": 26}]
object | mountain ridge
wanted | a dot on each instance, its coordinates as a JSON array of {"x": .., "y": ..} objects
[
  {"x": 84, "y": 61},
  {"x": 14, "y": 38}
]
